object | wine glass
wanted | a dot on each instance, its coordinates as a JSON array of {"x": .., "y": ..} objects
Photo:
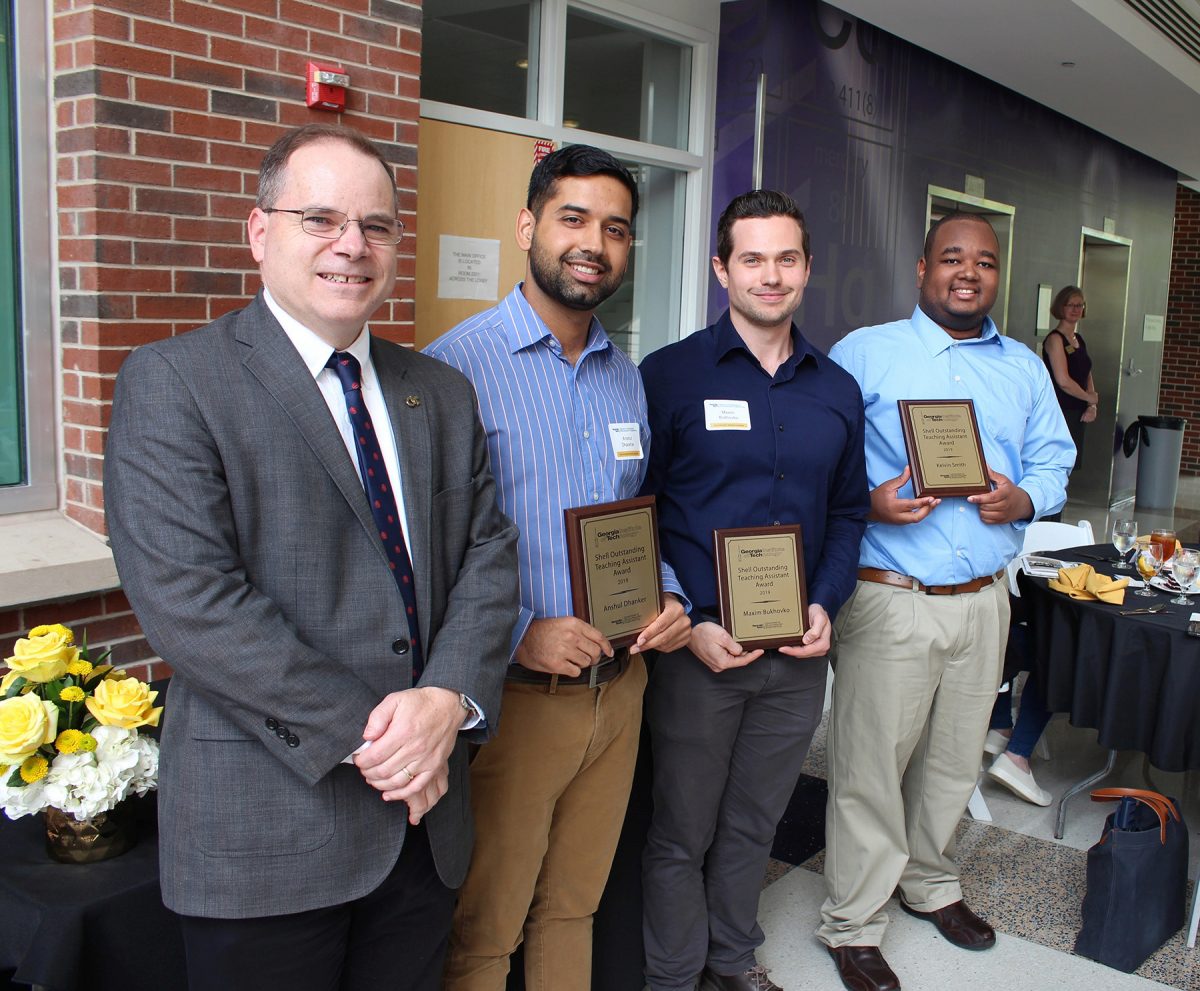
[
  {"x": 1165, "y": 538},
  {"x": 1148, "y": 561},
  {"x": 1124, "y": 536},
  {"x": 1185, "y": 566}
]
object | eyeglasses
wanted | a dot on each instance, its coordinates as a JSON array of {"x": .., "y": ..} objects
[
  {"x": 331, "y": 224},
  {"x": 1074, "y": 306}
]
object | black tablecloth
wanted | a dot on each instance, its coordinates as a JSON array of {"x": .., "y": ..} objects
[
  {"x": 93, "y": 927},
  {"x": 1134, "y": 679}
]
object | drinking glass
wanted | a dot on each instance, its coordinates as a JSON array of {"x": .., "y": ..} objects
[
  {"x": 1165, "y": 538},
  {"x": 1148, "y": 561},
  {"x": 1185, "y": 566},
  {"x": 1124, "y": 536}
]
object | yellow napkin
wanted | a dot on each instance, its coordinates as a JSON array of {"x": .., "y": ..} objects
[{"x": 1083, "y": 582}]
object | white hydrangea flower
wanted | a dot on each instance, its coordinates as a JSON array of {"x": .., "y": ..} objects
[
  {"x": 84, "y": 784},
  {"x": 26, "y": 801}
]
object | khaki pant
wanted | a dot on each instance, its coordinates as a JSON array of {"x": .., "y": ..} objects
[
  {"x": 914, "y": 684},
  {"x": 549, "y": 796}
]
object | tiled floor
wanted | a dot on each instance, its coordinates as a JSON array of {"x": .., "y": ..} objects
[{"x": 1028, "y": 884}]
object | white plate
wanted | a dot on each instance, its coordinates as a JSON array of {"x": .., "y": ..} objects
[{"x": 1163, "y": 585}]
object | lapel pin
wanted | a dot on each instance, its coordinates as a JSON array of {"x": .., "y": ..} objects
[{"x": 413, "y": 402}]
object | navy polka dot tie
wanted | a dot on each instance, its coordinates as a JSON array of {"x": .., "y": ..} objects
[{"x": 379, "y": 494}]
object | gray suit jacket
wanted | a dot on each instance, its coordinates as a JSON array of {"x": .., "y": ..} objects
[{"x": 246, "y": 547}]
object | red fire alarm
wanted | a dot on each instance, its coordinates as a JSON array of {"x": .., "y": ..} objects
[{"x": 327, "y": 86}]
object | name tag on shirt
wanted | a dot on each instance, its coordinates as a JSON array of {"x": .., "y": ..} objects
[
  {"x": 626, "y": 441},
  {"x": 726, "y": 414}
]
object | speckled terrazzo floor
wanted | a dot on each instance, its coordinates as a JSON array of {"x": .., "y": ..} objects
[{"x": 1031, "y": 886}]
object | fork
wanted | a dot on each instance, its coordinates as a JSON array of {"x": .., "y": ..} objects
[{"x": 1156, "y": 608}]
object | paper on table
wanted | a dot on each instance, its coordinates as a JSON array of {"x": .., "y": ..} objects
[{"x": 1041, "y": 566}]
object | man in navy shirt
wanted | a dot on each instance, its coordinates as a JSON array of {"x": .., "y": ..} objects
[{"x": 752, "y": 426}]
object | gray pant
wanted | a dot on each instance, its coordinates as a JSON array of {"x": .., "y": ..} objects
[{"x": 728, "y": 748}]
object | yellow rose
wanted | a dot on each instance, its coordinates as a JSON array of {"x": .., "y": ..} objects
[
  {"x": 128, "y": 703},
  {"x": 44, "y": 654},
  {"x": 26, "y": 723}
]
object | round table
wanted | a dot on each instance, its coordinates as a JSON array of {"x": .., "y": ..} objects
[{"x": 1134, "y": 679}]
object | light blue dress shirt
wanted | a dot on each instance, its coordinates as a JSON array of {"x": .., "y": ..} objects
[
  {"x": 1020, "y": 423},
  {"x": 548, "y": 431}
]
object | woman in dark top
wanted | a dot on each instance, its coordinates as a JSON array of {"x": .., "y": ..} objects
[
  {"x": 1065, "y": 355},
  {"x": 1070, "y": 368}
]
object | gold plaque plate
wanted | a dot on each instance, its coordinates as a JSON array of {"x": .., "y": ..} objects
[
  {"x": 616, "y": 574},
  {"x": 760, "y": 583}
]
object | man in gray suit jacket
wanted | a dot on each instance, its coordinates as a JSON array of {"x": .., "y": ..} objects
[{"x": 331, "y": 663}]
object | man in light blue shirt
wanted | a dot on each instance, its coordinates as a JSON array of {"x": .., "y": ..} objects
[
  {"x": 921, "y": 641},
  {"x": 565, "y": 416}
]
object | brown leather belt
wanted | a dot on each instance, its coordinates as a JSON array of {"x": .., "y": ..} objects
[
  {"x": 881, "y": 577},
  {"x": 597, "y": 674}
]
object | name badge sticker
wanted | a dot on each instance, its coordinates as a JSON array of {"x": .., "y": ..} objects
[
  {"x": 726, "y": 414},
  {"x": 626, "y": 441}
]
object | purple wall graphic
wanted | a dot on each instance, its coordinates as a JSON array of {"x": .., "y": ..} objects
[{"x": 859, "y": 124}]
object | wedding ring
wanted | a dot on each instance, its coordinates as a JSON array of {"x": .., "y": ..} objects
[{"x": 410, "y": 774}]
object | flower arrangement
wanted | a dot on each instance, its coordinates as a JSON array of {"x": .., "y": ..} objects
[{"x": 71, "y": 730}]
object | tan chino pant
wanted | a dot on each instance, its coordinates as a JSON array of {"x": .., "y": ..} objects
[
  {"x": 549, "y": 796},
  {"x": 915, "y": 680}
]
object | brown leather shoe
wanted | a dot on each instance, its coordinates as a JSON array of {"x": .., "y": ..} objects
[
  {"x": 755, "y": 979},
  {"x": 862, "y": 968},
  {"x": 959, "y": 925}
]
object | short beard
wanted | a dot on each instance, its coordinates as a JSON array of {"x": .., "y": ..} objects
[
  {"x": 953, "y": 322},
  {"x": 555, "y": 283}
]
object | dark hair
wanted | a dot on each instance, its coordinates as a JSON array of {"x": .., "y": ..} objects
[
  {"x": 1058, "y": 307},
  {"x": 951, "y": 217},
  {"x": 576, "y": 160},
  {"x": 758, "y": 204},
  {"x": 273, "y": 170}
]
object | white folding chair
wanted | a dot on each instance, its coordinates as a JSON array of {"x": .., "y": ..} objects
[{"x": 1195, "y": 923}]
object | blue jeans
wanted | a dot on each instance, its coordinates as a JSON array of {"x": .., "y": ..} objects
[{"x": 1033, "y": 714}]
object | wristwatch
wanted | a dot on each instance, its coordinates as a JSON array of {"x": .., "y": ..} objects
[{"x": 471, "y": 712}]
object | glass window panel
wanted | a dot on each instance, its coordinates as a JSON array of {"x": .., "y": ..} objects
[
  {"x": 643, "y": 315},
  {"x": 481, "y": 54},
  {"x": 11, "y": 446},
  {"x": 625, "y": 82}
]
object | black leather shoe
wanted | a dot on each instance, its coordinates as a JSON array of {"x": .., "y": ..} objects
[
  {"x": 862, "y": 968},
  {"x": 959, "y": 925},
  {"x": 754, "y": 979}
]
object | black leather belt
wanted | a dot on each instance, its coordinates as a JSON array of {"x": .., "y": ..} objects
[{"x": 597, "y": 674}]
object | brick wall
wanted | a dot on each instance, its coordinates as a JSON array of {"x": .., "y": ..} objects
[
  {"x": 1179, "y": 391},
  {"x": 107, "y": 622},
  {"x": 163, "y": 109}
]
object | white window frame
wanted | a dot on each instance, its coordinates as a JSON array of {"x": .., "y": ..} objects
[
  {"x": 35, "y": 246},
  {"x": 694, "y": 162}
]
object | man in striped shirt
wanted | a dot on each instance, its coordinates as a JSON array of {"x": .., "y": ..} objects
[{"x": 565, "y": 416}]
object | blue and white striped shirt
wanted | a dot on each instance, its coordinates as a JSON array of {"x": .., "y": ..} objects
[{"x": 548, "y": 429}]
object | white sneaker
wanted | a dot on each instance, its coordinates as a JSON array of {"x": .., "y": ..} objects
[
  {"x": 996, "y": 742},
  {"x": 1020, "y": 783}
]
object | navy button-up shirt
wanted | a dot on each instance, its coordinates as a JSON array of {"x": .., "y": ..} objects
[{"x": 800, "y": 461}]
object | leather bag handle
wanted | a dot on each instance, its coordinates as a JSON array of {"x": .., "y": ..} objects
[{"x": 1162, "y": 806}]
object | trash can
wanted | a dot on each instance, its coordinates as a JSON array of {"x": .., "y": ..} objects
[{"x": 1160, "y": 439}]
